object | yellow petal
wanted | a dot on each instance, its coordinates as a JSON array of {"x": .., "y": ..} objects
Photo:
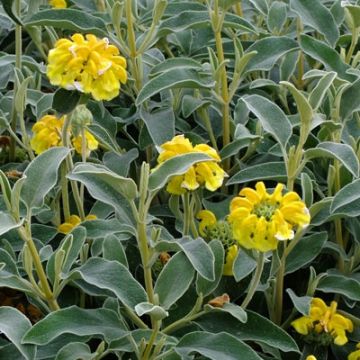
[
  {"x": 206, "y": 218},
  {"x": 229, "y": 261}
]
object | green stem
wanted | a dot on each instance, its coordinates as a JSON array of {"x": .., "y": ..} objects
[
  {"x": 279, "y": 290},
  {"x": 152, "y": 339},
  {"x": 354, "y": 40},
  {"x": 65, "y": 191},
  {"x": 206, "y": 120},
  {"x": 69, "y": 163},
  {"x": 132, "y": 45},
  {"x": 255, "y": 280},
  {"x": 187, "y": 213},
  {"x": 134, "y": 318},
  {"x": 299, "y": 30},
  {"x": 217, "y": 27},
  {"x": 83, "y": 159},
  {"x": 25, "y": 234},
  {"x": 18, "y": 54},
  {"x": 176, "y": 325}
]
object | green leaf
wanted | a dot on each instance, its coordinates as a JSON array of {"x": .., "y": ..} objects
[
  {"x": 14, "y": 325},
  {"x": 303, "y": 106},
  {"x": 305, "y": 251},
  {"x": 277, "y": 16},
  {"x": 349, "y": 100},
  {"x": 257, "y": 328},
  {"x": 15, "y": 282},
  {"x": 75, "y": 351},
  {"x": 269, "y": 51},
  {"x": 268, "y": 171},
  {"x": 317, "y": 95},
  {"x": 112, "y": 276},
  {"x": 8, "y": 6},
  {"x": 159, "y": 123},
  {"x": 155, "y": 311},
  {"x": 103, "y": 136},
  {"x": 354, "y": 12},
  {"x": 234, "y": 310},
  {"x": 112, "y": 249},
  {"x": 204, "y": 286},
  {"x": 200, "y": 19},
  {"x": 92, "y": 175},
  {"x": 316, "y": 15},
  {"x": 41, "y": 176},
  {"x": 234, "y": 147},
  {"x": 5, "y": 190},
  {"x": 272, "y": 118},
  {"x": 174, "y": 279},
  {"x": 107, "y": 186},
  {"x": 7, "y": 223},
  {"x": 307, "y": 189},
  {"x": 178, "y": 62},
  {"x": 71, "y": 245},
  {"x": 347, "y": 200},
  {"x": 174, "y": 79},
  {"x": 69, "y": 19},
  {"x": 342, "y": 152},
  {"x": 215, "y": 346},
  {"x": 120, "y": 164},
  {"x": 103, "y": 323},
  {"x": 175, "y": 166},
  {"x": 197, "y": 251},
  {"x": 243, "y": 265},
  {"x": 326, "y": 55},
  {"x": 340, "y": 284},
  {"x": 301, "y": 303}
]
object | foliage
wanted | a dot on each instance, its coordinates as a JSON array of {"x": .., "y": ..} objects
[{"x": 114, "y": 220}]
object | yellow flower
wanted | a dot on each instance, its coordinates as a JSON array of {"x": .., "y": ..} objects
[
  {"x": 260, "y": 219},
  {"x": 72, "y": 222},
  {"x": 91, "y": 143},
  {"x": 324, "y": 319},
  {"x": 89, "y": 65},
  {"x": 207, "y": 173},
  {"x": 210, "y": 228},
  {"x": 355, "y": 355},
  {"x": 47, "y": 133},
  {"x": 58, "y": 4},
  {"x": 311, "y": 357}
]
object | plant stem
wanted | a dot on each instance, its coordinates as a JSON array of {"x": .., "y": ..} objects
[
  {"x": 279, "y": 289},
  {"x": 187, "y": 213},
  {"x": 65, "y": 191},
  {"x": 132, "y": 45},
  {"x": 152, "y": 339},
  {"x": 70, "y": 166},
  {"x": 299, "y": 30},
  {"x": 18, "y": 54},
  {"x": 255, "y": 280},
  {"x": 354, "y": 40},
  {"x": 182, "y": 322},
  {"x": 217, "y": 27},
  {"x": 25, "y": 234}
]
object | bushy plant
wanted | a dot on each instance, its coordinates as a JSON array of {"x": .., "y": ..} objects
[{"x": 179, "y": 179}]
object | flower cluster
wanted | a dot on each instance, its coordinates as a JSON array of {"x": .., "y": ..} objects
[
  {"x": 261, "y": 219},
  {"x": 324, "y": 319},
  {"x": 89, "y": 64},
  {"x": 72, "y": 222},
  {"x": 211, "y": 228},
  {"x": 207, "y": 173},
  {"x": 58, "y": 4},
  {"x": 47, "y": 134}
]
